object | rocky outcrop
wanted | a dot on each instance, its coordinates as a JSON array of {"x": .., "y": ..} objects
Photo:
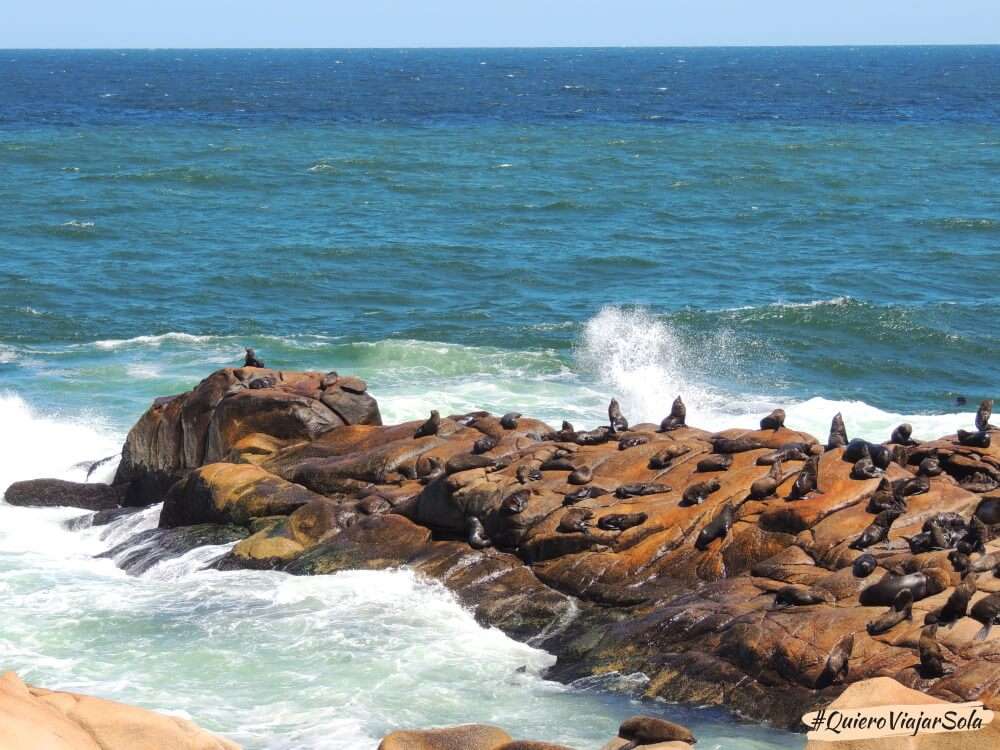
[
  {"x": 50, "y": 493},
  {"x": 757, "y": 569},
  {"x": 35, "y": 719}
]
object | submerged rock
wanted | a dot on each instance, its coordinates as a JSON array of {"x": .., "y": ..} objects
[{"x": 147, "y": 548}]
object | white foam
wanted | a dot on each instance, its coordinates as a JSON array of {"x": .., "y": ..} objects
[{"x": 174, "y": 336}]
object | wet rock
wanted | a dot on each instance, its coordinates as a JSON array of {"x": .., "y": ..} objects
[
  {"x": 147, "y": 548},
  {"x": 50, "y": 493}
]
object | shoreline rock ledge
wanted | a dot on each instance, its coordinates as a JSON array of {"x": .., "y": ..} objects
[{"x": 759, "y": 569}]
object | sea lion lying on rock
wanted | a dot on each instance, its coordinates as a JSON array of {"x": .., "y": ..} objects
[
  {"x": 734, "y": 445},
  {"x": 797, "y": 596},
  {"x": 648, "y": 730},
  {"x": 884, "y": 592},
  {"x": 696, "y": 494},
  {"x": 715, "y": 462},
  {"x": 640, "y": 489},
  {"x": 584, "y": 493},
  {"x": 767, "y": 485},
  {"x": 575, "y": 520},
  {"x": 877, "y": 531},
  {"x": 980, "y": 439},
  {"x": 717, "y": 529},
  {"x": 632, "y": 441},
  {"x": 987, "y": 612},
  {"x": 864, "y": 565},
  {"x": 901, "y": 609},
  {"x": 667, "y": 456},
  {"x": 621, "y": 521}
]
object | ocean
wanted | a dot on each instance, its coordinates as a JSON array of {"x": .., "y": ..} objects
[{"x": 530, "y": 230}]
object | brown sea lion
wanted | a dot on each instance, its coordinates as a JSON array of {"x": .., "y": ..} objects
[
  {"x": 677, "y": 417},
  {"x": 930, "y": 467},
  {"x": 864, "y": 565},
  {"x": 715, "y": 462},
  {"x": 575, "y": 520},
  {"x": 980, "y": 439},
  {"x": 718, "y": 528},
  {"x": 581, "y": 475},
  {"x": 884, "y": 498},
  {"x": 558, "y": 463},
  {"x": 865, "y": 469},
  {"x": 616, "y": 419},
  {"x": 773, "y": 421},
  {"x": 631, "y": 441},
  {"x": 987, "y": 612},
  {"x": 597, "y": 436},
  {"x": 430, "y": 427},
  {"x": 668, "y": 455},
  {"x": 958, "y": 603},
  {"x": 647, "y": 730},
  {"x": 640, "y": 489},
  {"x": 509, "y": 420},
  {"x": 250, "y": 360},
  {"x": 515, "y": 502},
  {"x": 887, "y": 588},
  {"x": 435, "y": 470},
  {"x": 838, "y": 433},
  {"x": 988, "y": 511},
  {"x": 878, "y": 530},
  {"x": 584, "y": 493},
  {"x": 932, "y": 662},
  {"x": 797, "y": 596},
  {"x": 983, "y": 414},
  {"x": 903, "y": 435},
  {"x": 837, "y": 663},
  {"x": 621, "y": 521},
  {"x": 901, "y": 609},
  {"x": 807, "y": 481},
  {"x": 484, "y": 444},
  {"x": 767, "y": 485},
  {"x": 476, "y": 534},
  {"x": 734, "y": 445},
  {"x": 696, "y": 494},
  {"x": 528, "y": 473}
]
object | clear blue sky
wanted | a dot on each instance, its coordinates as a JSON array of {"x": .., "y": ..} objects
[{"x": 451, "y": 23}]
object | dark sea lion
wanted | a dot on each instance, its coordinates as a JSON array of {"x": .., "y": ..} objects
[
  {"x": 621, "y": 521},
  {"x": 864, "y": 565},
  {"x": 575, "y": 520},
  {"x": 484, "y": 444},
  {"x": 884, "y": 498},
  {"x": 987, "y": 612},
  {"x": 930, "y": 467},
  {"x": 718, "y": 528},
  {"x": 789, "y": 452},
  {"x": 715, "y": 462},
  {"x": 597, "y": 436},
  {"x": 904, "y": 488},
  {"x": 865, "y": 469},
  {"x": 374, "y": 505},
  {"x": 565, "y": 434},
  {"x": 880, "y": 455},
  {"x": 250, "y": 360},
  {"x": 901, "y": 609},
  {"x": 647, "y": 730},
  {"x": 978, "y": 482},
  {"x": 959, "y": 561},
  {"x": 877, "y": 531},
  {"x": 632, "y": 441},
  {"x": 734, "y": 445},
  {"x": 838, "y": 433},
  {"x": 430, "y": 427},
  {"x": 837, "y": 663},
  {"x": 666, "y": 457},
  {"x": 958, "y": 603},
  {"x": 773, "y": 421},
  {"x": 931, "y": 659},
  {"x": 767, "y": 485},
  {"x": 677, "y": 417},
  {"x": 988, "y": 511},
  {"x": 807, "y": 481},
  {"x": 887, "y": 588},
  {"x": 558, "y": 463},
  {"x": 616, "y": 419},
  {"x": 985, "y": 563},
  {"x": 266, "y": 382},
  {"x": 476, "y": 534},
  {"x": 900, "y": 455},
  {"x": 856, "y": 450},
  {"x": 528, "y": 473},
  {"x": 974, "y": 439},
  {"x": 584, "y": 493},
  {"x": 797, "y": 596},
  {"x": 640, "y": 489},
  {"x": 903, "y": 435},
  {"x": 696, "y": 494},
  {"x": 435, "y": 470},
  {"x": 581, "y": 475},
  {"x": 977, "y": 536},
  {"x": 983, "y": 414},
  {"x": 515, "y": 502},
  {"x": 466, "y": 461},
  {"x": 509, "y": 420}
]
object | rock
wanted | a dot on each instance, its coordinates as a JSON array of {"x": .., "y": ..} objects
[
  {"x": 884, "y": 691},
  {"x": 531, "y": 745},
  {"x": 465, "y": 737},
  {"x": 49, "y": 493},
  {"x": 36, "y": 719},
  {"x": 100, "y": 518},
  {"x": 147, "y": 548}
]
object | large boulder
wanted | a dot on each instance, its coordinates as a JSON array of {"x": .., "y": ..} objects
[
  {"x": 36, "y": 719},
  {"x": 464, "y": 737},
  {"x": 49, "y": 493}
]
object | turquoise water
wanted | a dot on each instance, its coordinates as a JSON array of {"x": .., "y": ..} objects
[{"x": 504, "y": 229}]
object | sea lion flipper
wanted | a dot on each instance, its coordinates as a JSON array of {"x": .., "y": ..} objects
[{"x": 983, "y": 632}]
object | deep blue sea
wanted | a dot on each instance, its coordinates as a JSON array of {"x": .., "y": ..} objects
[{"x": 816, "y": 228}]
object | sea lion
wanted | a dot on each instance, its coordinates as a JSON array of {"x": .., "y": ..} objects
[
  {"x": 988, "y": 511},
  {"x": 621, "y": 521},
  {"x": 900, "y": 455},
  {"x": 616, "y": 419},
  {"x": 718, "y": 528},
  {"x": 374, "y": 505},
  {"x": 901, "y": 609},
  {"x": 575, "y": 520},
  {"x": 977, "y": 536},
  {"x": 436, "y": 470},
  {"x": 430, "y": 427},
  {"x": 664, "y": 458},
  {"x": 257, "y": 384},
  {"x": 632, "y": 441},
  {"x": 509, "y": 420},
  {"x": 877, "y": 531},
  {"x": 484, "y": 444},
  {"x": 773, "y": 421},
  {"x": 985, "y": 563},
  {"x": 768, "y": 484},
  {"x": 958, "y": 603},
  {"x": 885, "y": 590},
  {"x": 807, "y": 481},
  {"x": 903, "y": 435},
  {"x": 904, "y": 488},
  {"x": 647, "y": 730},
  {"x": 856, "y": 450},
  {"x": 987, "y": 612},
  {"x": 476, "y": 534},
  {"x": 639, "y": 489},
  {"x": 558, "y": 463},
  {"x": 930, "y": 467},
  {"x": 677, "y": 417},
  {"x": 734, "y": 445},
  {"x": 696, "y": 494},
  {"x": 979, "y": 439},
  {"x": 584, "y": 493},
  {"x": 597, "y": 436},
  {"x": 581, "y": 475},
  {"x": 931, "y": 659},
  {"x": 797, "y": 596},
  {"x": 978, "y": 482},
  {"x": 838, "y": 433},
  {"x": 250, "y": 360},
  {"x": 790, "y": 452},
  {"x": 565, "y": 434},
  {"x": 865, "y": 469},
  {"x": 528, "y": 473},
  {"x": 515, "y": 502},
  {"x": 884, "y": 498},
  {"x": 837, "y": 663},
  {"x": 880, "y": 455},
  {"x": 983, "y": 414},
  {"x": 715, "y": 462},
  {"x": 864, "y": 565},
  {"x": 959, "y": 561}
]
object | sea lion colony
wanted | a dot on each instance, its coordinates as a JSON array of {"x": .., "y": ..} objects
[{"x": 759, "y": 568}]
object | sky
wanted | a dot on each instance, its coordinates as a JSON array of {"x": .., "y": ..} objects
[{"x": 493, "y": 23}]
